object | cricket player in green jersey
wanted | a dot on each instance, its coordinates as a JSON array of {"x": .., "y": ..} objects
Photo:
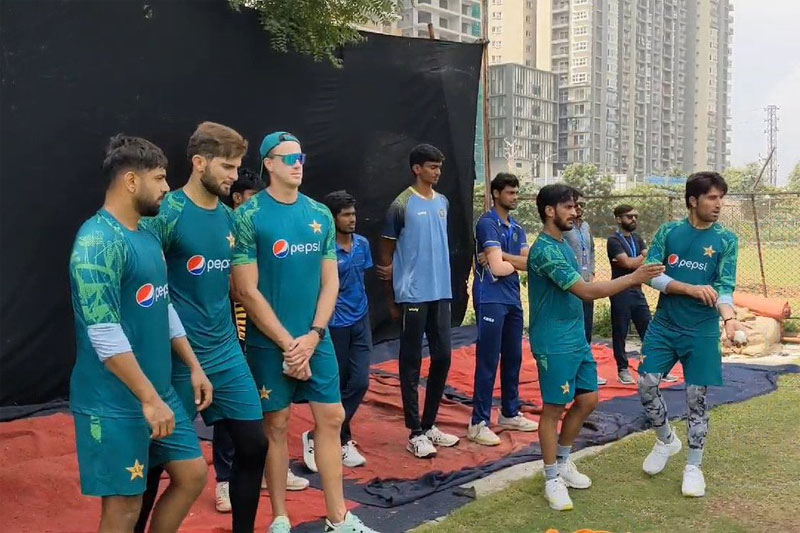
[
  {"x": 567, "y": 370},
  {"x": 128, "y": 416},
  {"x": 196, "y": 233},
  {"x": 697, "y": 290},
  {"x": 285, "y": 275}
]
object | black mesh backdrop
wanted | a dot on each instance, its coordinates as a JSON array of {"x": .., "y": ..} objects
[{"x": 75, "y": 72}]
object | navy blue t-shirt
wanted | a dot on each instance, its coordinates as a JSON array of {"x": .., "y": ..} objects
[{"x": 491, "y": 231}]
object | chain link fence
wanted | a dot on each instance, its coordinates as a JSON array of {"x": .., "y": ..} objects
[{"x": 774, "y": 214}]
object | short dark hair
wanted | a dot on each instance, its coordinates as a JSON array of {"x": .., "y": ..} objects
[
  {"x": 621, "y": 209},
  {"x": 124, "y": 152},
  {"x": 503, "y": 180},
  {"x": 338, "y": 201},
  {"x": 424, "y": 153},
  {"x": 552, "y": 195},
  {"x": 700, "y": 183},
  {"x": 216, "y": 140},
  {"x": 248, "y": 180}
]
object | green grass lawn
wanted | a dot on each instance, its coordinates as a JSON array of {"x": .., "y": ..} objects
[{"x": 752, "y": 469}]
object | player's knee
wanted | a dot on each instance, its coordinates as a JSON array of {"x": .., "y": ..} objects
[
  {"x": 277, "y": 425},
  {"x": 192, "y": 477},
  {"x": 587, "y": 401},
  {"x": 252, "y": 450},
  {"x": 648, "y": 381},
  {"x": 331, "y": 419},
  {"x": 122, "y": 510}
]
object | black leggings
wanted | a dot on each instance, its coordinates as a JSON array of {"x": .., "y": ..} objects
[{"x": 250, "y": 452}]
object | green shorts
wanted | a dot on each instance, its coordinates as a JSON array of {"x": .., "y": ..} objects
[
  {"x": 235, "y": 396},
  {"x": 277, "y": 390},
  {"x": 701, "y": 357},
  {"x": 114, "y": 454},
  {"x": 562, "y": 375}
]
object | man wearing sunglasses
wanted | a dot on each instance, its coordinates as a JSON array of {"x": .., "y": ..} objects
[{"x": 285, "y": 275}]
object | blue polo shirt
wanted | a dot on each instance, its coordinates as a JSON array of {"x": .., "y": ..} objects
[
  {"x": 351, "y": 305},
  {"x": 492, "y": 232}
]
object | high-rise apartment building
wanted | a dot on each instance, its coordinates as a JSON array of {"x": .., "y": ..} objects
[
  {"x": 452, "y": 20},
  {"x": 643, "y": 84},
  {"x": 523, "y": 116},
  {"x": 512, "y": 32}
]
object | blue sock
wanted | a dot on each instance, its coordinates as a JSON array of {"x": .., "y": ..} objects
[
  {"x": 550, "y": 471},
  {"x": 562, "y": 453}
]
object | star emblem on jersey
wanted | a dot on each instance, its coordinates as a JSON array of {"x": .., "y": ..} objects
[
  {"x": 565, "y": 388},
  {"x": 264, "y": 392},
  {"x": 231, "y": 240},
  {"x": 137, "y": 470},
  {"x": 709, "y": 251},
  {"x": 316, "y": 226}
]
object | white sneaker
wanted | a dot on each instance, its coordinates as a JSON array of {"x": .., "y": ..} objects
[
  {"x": 308, "y": 452},
  {"x": 669, "y": 378},
  {"x": 601, "y": 381},
  {"x": 557, "y": 495},
  {"x": 223, "y": 503},
  {"x": 482, "y": 435},
  {"x": 351, "y": 457},
  {"x": 655, "y": 462},
  {"x": 421, "y": 447},
  {"x": 440, "y": 438},
  {"x": 351, "y": 524},
  {"x": 694, "y": 483},
  {"x": 517, "y": 423},
  {"x": 281, "y": 524},
  {"x": 295, "y": 483},
  {"x": 572, "y": 478}
]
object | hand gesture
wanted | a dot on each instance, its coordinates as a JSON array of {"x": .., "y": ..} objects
[
  {"x": 203, "y": 391},
  {"x": 645, "y": 273},
  {"x": 160, "y": 418}
]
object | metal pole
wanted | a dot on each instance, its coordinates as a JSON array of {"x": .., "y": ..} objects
[
  {"x": 487, "y": 202},
  {"x": 755, "y": 224}
]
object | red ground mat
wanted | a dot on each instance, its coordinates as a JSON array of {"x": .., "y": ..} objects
[{"x": 40, "y": 487}]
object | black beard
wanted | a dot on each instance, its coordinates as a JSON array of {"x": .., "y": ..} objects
[
  {"x": 147, "y": 209},
  {"x": 629, "y": 227},
  {"x": 345, "y": 231},
  {"x": 561, "y": 224},
  {"x": 210, "y": 186}
]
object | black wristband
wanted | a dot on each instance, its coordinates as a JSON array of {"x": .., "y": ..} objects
[
  {"x": 319, "y": 331},
  {"x": 725, "y": 320}
]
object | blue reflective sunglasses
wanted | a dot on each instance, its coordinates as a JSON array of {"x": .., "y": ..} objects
[{"x": 291, "y": 159}]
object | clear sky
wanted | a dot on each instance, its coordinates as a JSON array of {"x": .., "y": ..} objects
[{"x": 766, "y": 70}]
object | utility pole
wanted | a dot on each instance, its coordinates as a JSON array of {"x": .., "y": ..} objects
[{"x": 772, "y": 143}]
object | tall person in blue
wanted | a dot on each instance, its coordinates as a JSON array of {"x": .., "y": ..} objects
[
  {"x": 285, "y": 276},
  {"x": 567, "y": 370},
  {"x": 127, "y": 414},
  {"x": 196, "y": 233},
  {"x": 502, "y": 249},
  {"x": 415, "y": 263},
  {"x": 350, "y": 328}
]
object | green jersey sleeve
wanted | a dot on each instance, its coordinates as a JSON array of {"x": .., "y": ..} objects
[
  {"x": 656, "y": 252},
  {"x": 725, "y": 280},
  {"x": 550, "y": 262},
  {"x": 162, "y": 226},
  {"x": 97, "y": 263},
  {"x": 329, "y": 243},
  {"x": 245, "y": 251}
]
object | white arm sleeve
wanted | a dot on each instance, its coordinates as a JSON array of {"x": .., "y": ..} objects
[
  {"x": 660, "y": 282},
  {"x": 108, "y": 340},
  {"x": 175, "y": 326}
]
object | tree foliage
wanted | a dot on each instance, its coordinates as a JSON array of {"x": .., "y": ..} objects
[
  {"x": 794, "y": 178},
  {"x": 318, "y": 28}
]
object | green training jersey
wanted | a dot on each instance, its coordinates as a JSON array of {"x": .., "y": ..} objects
[
  {"x": 198, "y": 246},
  {"x": 698, "y": 257},
  {"x": 118, "y": 276},
  {"x": 556, "y": 315},
  {"x": 289, "y": 243}
]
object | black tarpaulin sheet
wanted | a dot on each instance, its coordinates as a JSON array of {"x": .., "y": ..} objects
[{"x": 76, "y": 72}]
